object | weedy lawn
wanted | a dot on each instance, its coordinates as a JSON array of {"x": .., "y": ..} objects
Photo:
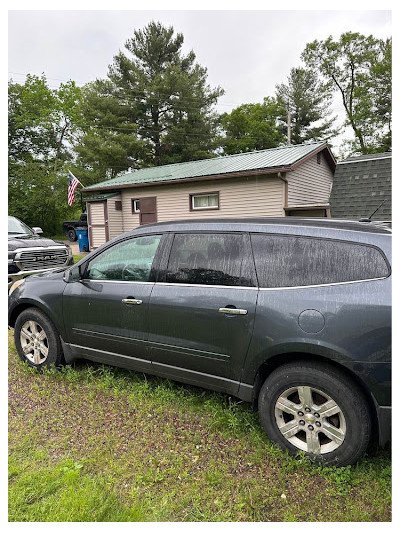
[{"x": 94, "y": 443}]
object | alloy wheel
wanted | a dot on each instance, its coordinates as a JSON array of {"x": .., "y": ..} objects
[
  {"x": 310, "y": 420},
  {"x": 34, "y": 342}
]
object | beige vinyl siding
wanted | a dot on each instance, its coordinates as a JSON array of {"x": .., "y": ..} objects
[
  {"x": 238, "y": 197},
  {"x": 97, "y": 230},
  {"x": 115, "y": 221},
  {"x": 310, "y": 183},
  {"x": 98, "y": 237},
  {"x": 96, "y": 212}
]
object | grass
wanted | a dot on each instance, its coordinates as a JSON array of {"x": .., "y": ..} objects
[
  {"x": 78, "y": 257},
  {"x": 94, "y": 443}
]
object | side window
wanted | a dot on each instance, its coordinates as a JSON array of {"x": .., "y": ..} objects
[
  {"x": 207, "y": 259},
  {"x": 298, "y": 261},
  {"x": 129, "y": 260}
]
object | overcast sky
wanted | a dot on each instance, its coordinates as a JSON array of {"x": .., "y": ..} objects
[{"x": 246, "y": 52}]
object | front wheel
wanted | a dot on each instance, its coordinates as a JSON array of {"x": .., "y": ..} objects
[
  {"x": 317, "y": 409},
  {"x": 37, "y": 340}
]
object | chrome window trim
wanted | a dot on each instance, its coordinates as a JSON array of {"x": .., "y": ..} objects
[
  {"x": 320, "y": 285},
  {"x": 241, "y": 287},
  {"x": 116, "y": 281},
  {"x": 208, "y": 286}
]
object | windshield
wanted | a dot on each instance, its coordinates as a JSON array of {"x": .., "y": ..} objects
[{"x": 16, "y": 227}]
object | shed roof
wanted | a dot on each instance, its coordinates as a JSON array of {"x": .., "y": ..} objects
[
  {"x": 360, "y": 184},
  {"x": 271, "y": 160},
  {"x": 104, "y": 196}
]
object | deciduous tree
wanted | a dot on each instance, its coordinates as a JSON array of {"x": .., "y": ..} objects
[
  {"x": 43, "y": 124},
  {"x": 253, "y": 127},
  {"x": 359, "y": 68}
]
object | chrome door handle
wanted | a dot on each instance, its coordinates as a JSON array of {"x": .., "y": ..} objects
[
  {"x": 232, "y": 311},
  {"x": 132, "y": 301}
]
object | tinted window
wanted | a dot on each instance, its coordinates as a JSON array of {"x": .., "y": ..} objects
[
  {"x": 298, "y": 261},
  {"x": 126, "y": 261},
  {"x": 207, "y": 259}
]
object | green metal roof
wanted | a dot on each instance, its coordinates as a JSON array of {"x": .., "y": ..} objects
[
  {"x": 272, "y": 158},
  {"x": 104, "y": 196}
]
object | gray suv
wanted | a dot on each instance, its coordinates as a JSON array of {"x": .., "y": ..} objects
[{"x": 291, "y": 314}]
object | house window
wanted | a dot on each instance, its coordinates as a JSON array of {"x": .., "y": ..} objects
[
  {"x": 319, "y": 158},
  {"x": 204, "y": 201},
  {"x": 118, "y": 205},
  {"x": 135, "y": 206}
]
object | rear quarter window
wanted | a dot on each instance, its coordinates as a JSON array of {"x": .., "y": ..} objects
[{"x": 288, "y": 261}]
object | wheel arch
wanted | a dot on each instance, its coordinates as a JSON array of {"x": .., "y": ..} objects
[
  {"x": 26, "y": 304},
  {"x": 274, "y": 362}
]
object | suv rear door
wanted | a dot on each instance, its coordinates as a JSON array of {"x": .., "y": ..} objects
[{"x": 202, "y": 309}]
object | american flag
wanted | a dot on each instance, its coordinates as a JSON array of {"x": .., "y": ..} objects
[{"x": 72, "y": 185}]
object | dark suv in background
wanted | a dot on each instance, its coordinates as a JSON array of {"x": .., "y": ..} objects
[{"x": 291, "y": 314}]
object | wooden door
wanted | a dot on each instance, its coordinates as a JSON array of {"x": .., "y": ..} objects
[{"x": 148, "y": 210}]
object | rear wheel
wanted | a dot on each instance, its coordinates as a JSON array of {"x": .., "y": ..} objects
[
  {"x": 72, "y": 235},
  {"x": 37, "y": 339},
  {"x": 317, "y": 409}
]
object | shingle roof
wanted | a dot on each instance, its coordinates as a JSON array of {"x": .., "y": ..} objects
[
  {"x": 360, "y": 184},
  {"x": 273, "y": 158}
]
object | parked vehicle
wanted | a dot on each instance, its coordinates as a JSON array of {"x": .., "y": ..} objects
[
  {"x": 69, "y": 227},
  {"x": 291, "y": 314},
  {"x": 29, "y": 253}
]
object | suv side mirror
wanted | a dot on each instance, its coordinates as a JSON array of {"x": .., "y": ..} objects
[
  {"x": 38, "y": 231},
  {"x": 73, "y": 274}
]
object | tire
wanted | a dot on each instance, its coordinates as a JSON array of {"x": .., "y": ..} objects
[
  {"x": 37, "y": 340},
  {"x": 338, "y": 436},
  {"x": 72, "y": 235}
]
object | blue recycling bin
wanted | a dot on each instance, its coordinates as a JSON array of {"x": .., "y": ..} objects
[{"x": 83, "y": 239}]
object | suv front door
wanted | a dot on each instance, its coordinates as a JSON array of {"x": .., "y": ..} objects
[
  {"x": 202, "y": 310},
  {"x": 107, "y": 311}
]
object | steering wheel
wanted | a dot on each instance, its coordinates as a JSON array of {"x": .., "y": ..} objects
[
  {"x": 95, "y": 273},
  {"x": 132, "y": 273}
]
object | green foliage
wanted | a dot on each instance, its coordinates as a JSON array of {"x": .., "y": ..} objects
[
  {"x": 43, "y": 124},
  {"x": 359, "y": 68},
  {"x": 155, "y": 107},
  {"x": 109, "y": 141},
  {"x": 308, "y": 100},
  {"x": 253, "y": 127}
]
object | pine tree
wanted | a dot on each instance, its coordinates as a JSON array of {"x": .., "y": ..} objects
[
  {"x": 156, "y": 105},
  {"x": 307, "y": 102}
]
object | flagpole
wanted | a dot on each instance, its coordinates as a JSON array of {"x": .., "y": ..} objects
[{"x": 76, "y": 178}]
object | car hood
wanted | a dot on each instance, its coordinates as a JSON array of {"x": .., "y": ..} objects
[
  {"x": 31, "y": 242},
  {"x": 57, "y": 273}
]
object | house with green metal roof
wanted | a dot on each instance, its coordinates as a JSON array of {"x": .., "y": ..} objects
[{"x": 293, "y": 180}]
